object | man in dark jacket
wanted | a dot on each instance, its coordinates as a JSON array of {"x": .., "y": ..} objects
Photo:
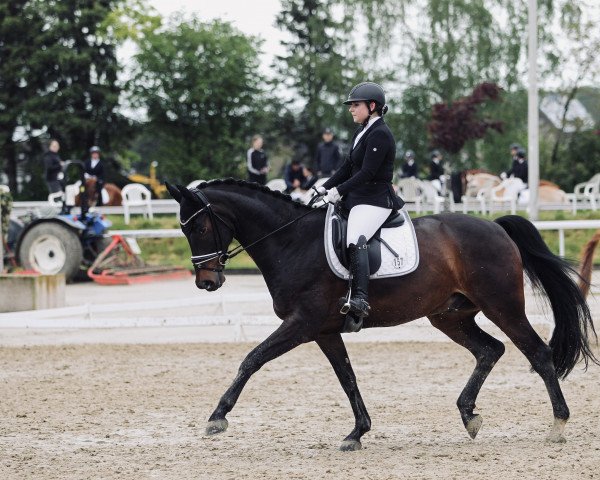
[
  {"x": 53, "y": 167},
  {"x": 95, "y": 169},
  {"x": 328, "y": 158},
  {"x": 294, "y": 176}
]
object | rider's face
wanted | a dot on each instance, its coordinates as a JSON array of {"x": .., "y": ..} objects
[{"x": 359, "y": 111}]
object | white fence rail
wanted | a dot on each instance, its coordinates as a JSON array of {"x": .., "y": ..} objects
[{"x": 558, "y": 225}]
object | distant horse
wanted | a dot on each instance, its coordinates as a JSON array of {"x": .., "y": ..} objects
[
  {"x": 114, "y": 194},
  {"x": 548, "y": 192},
  {"x": 467, "y": 265}
]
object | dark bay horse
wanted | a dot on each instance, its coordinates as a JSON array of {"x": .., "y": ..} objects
[{"x": 467, "y": 265}]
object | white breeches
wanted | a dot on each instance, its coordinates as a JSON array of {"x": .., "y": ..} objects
[{"x": 365, "y": 220}]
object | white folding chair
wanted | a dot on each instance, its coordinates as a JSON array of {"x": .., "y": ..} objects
[{"x": 136, "y": 195}]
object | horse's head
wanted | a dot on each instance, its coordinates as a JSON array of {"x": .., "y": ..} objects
[{"x": 208, "y": 231}]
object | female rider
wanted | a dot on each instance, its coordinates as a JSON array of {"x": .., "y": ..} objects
[{"x": 364, "y": 182}]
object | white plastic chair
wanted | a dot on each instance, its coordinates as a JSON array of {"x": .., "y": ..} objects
[
  {"x": 431, "y": 195},
  {"x": 583, "y": 191},
  {"x": 410, "y": 190},
  {"x": 277, "y": 184},
  {"x": 507, "y": 191},
  {"x": 56, "y": 198},
  {"x": 136, "y": 195},
  {"x": 195, "y": 183}
]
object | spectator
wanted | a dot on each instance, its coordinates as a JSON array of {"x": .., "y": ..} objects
[
  {"x": 294, "y": 176},
  {"x": 310, "y": 178},
  {"x": 257, "y": 162},
  {"x": 94, "y": 169},
  {"x": 53, "y": 166},
  {"x": 520, "y": 168},
  {"x": 409, "y": 167},
  {"x": 328, "y": 158},
  {"x": 436, "y": 170}
]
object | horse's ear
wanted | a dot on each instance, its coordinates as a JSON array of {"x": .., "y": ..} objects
[
  {"x": 187, "y": 194},
  {"x": 174, "y": 191}
]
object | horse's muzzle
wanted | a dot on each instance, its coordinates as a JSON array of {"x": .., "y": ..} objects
[{"x": 210, "y": 284}]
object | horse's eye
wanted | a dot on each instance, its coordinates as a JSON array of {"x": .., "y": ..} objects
[{"x": 202, "y": 230}]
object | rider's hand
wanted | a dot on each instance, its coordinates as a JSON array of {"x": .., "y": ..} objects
[
  {"x": 332, "y": 195},
  {"x": 320, "y": 190},
  {"x": 503, "y": 175}
]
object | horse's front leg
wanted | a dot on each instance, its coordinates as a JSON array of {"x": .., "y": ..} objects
[
  {"x": 334, "y": 349},
  {"x": 288, "y": 336}
]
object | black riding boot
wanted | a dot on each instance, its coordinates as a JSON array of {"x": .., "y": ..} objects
[{"x": 357, "y": 308}]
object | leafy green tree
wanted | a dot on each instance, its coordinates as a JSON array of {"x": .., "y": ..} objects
[
  {"x": 320, "y": 65},
  {"x": 58, "y": 70},
  {"x": 20, "y": 23},
  {"x": 200, "y": 86}
]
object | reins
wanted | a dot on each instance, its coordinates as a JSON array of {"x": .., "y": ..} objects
[{"x": 224, "y": 257}]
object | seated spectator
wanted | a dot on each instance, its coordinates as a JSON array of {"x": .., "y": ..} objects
[
  {"x": 294, "y": 176},
  {"x": 310, "y": 178}
]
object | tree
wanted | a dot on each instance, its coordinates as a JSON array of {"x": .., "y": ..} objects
[
  {"x": 319, "y": 67},
  {"x": 59, "y": 73},
  {"x": 19, "y": 41},
  {"x": 454, "y": 124},
  {"x": 199, "y": 84}
]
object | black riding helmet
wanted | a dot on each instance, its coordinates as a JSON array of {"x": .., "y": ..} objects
[{"x": 368, "y": 92}]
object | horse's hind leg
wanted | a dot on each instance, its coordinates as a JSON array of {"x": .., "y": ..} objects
[
  {"x": 522, "y": 334},
  {"x": 461, "y": 327},
  {"x": 335, "y": 351},
  {"x": 288, "y": 336}
]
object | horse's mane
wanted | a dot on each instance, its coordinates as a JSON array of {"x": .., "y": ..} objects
[{"x": 251, "y": 186}]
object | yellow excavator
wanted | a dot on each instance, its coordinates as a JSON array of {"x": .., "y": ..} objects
[{"x": 157, "y": 188}]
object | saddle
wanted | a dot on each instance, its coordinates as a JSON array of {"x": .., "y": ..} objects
[
  {"x": 392, "y": 250},
  {"x": 339, "y": 232}
]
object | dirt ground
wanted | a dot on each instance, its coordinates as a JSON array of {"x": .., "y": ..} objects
[{"x": 137, "y": 412}]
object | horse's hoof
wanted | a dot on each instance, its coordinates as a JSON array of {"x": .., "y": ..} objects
[
  {"x": 556, "y": 438},
  {"x": 474, "y": 425},
  {"x": 216, "y": 426},
  {"x": 556, "y": 434},
  {"x": 350, "y": 446}
]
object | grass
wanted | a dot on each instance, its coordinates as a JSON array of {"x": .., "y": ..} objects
[
  {"x": 176, "y": 251},
  {"x": 170, "y": 251}
]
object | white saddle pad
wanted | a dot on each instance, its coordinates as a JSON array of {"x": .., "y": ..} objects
[{"x": 402, "y": 239}]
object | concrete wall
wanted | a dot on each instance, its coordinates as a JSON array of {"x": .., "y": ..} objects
[{"x": 31, "y": 292}]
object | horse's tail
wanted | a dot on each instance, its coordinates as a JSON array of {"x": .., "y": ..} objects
[
  {"x": 550, "y": 273},
  {"x": 586, "y": 264}
]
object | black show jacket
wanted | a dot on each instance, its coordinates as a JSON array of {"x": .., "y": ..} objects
[{"x": 365, "y": 178}]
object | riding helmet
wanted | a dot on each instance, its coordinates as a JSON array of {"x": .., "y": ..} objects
[
  {"x": 95, "y": 149},
  {"x": 367, "y": 92},
  {"x": 409, "y": 154}
]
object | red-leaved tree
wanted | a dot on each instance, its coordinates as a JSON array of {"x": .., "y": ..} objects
[{"x": 453, "y": 124}]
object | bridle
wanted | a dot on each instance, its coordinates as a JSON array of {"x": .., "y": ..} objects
[
  {"x": 199, "y": 260},
  {"x": 223, "y": 257}
]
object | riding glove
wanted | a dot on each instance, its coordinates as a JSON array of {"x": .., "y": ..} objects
[
  {"x": 332, "y": 196},
  {"x": 320, "y": 190}
]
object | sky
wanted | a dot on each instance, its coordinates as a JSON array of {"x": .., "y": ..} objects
[{"x": 254, "y": 17}]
